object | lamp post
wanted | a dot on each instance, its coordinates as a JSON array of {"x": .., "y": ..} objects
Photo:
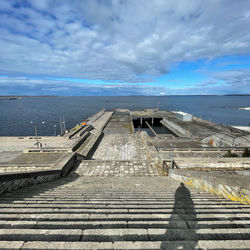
[
  {"x": 36, "y": 133},
  {"x": 157, "y": 106},
  {"x": 55, "y": 130},
  {"x": 35, "y": 125}
]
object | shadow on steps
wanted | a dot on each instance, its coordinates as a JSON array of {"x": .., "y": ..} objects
[{"x": 183, "y": 201}]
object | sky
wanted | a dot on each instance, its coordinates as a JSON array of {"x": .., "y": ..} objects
[{"x": 124, "y": 47}]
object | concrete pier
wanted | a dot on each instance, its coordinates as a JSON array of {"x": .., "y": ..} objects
[{"x": 108, "y": 184}]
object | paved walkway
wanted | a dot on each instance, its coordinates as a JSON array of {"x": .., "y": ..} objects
[
  {"x": 122, "y": 147},
  {"x": 117, "y": 168}
]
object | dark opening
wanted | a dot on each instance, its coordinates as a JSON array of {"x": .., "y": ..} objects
[{"x": 140, "y": 124}]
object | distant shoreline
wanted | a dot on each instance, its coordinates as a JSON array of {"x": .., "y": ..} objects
[
  {"x": 15, "y": 97},
  {"x": 12, "y": 97}
]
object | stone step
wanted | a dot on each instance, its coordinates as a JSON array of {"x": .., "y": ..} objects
[
  {"x": 40, "y": 235},
  {"x": 121, "y": 210},
  {"x": 120, "y": 203},
  {"x": 124, "y": 216},
  {"x": 124, "y": 245},
  {"x": 111, "y": 197},
  {"x": 164, "y": 224},
  {"x": 232, "y": 207},
  {"x": 115, "y": 200},
  {"x": 124, "y": 234},
  {"x": 120, "y": 213}
]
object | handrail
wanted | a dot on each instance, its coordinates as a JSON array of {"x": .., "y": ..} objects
[{"x": 172, "y": 165}]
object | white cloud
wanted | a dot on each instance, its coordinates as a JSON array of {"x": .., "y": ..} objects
[{"x": 118, "y": 40}]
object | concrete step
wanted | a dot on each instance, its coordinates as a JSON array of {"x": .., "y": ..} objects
[
  {"x": 124, "y": 245},
  {"x": 123, "y": 234},
  {"x": 124, "y": 206},
  {"x": 120, "y": 213},
  {"x": 164, "y": 224},
  {"x": 180, "y": 210},
  {"x": 124, "y": 217}
]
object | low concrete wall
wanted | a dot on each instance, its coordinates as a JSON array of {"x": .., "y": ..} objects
[
  {"x": 5, "y": 168},
  {"x": 75, "y": 132},
  {"x": 222, "y": 149},
  {"x": 228, "y": 185},
  {"x": 12, "y": 181},
  {"x": 15, "y": 181},
  {"x": 78, "y": 143},
  {"x": 92, "y": 145},
  {"x": 66, "y": 163},
  {"x": 47, "y": 150},
  {"x": 200, "y": 162}
]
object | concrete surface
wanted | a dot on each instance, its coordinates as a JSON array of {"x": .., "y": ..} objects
[
  {"x": 213, "y": 163},
  {"x": 6, "y": 156},
  {"x": 20, "y": 143},
  {"x": 119, "y": 123},
  {"x": 36, "y": 158},
  {"x": 227, "y": 184},
  {"x": 121, "y": 147},
  {"x": 101, "y": 122},
  {"x": 117, "y": 168}
]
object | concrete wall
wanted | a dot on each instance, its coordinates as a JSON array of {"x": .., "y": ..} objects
[
  {"x": 224, "y": 184},
  {"x": 15, "y": 181},
  {"x": 89, "y": 149},
  {"x": 12, "y": 181},
  {"x": 78, "y": 143},
  {"x": 213, "y": 162},
  {"x": 23, "y": 168},
  {"x": 224, "y": 140}
]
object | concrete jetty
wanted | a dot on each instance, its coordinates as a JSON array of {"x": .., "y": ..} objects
[{"x": 127, "y": 180}]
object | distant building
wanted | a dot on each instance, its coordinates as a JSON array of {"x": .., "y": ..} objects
[{"x": 183, "y": 116}]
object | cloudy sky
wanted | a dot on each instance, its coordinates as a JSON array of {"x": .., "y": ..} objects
[{"x": 124, "y": 47}]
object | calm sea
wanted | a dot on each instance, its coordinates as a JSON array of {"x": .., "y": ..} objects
[{"x": 16, "y": 115}]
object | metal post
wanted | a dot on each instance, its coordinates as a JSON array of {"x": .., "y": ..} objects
[
  {"x": 157, "y": 105},
  {"x": 55, "y": 130},
  {"x": 36, "y": 135},
  {"x": 60, "y": 124},
  {"x": 64, "y": 125}
]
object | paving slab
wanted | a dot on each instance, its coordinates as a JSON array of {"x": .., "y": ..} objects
[{"x": 121, "y": 147}]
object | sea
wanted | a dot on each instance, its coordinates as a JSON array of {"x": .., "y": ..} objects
[{"x": 18, "y": 116}]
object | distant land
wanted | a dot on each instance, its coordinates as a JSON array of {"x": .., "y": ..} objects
[
  {"x": 237, "y": 95},
  {"x": 15, "y": 97}
]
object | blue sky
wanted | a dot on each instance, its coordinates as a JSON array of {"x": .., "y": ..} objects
[{"x": 132, "y": 47}]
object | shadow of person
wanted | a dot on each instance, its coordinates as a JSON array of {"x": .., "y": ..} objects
[{"x": 180, "y": 232}]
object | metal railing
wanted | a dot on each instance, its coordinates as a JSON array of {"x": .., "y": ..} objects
[{"x": 169, "y": 165}]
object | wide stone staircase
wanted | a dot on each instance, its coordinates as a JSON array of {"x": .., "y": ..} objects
[{"x": 146, "y": 212}]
